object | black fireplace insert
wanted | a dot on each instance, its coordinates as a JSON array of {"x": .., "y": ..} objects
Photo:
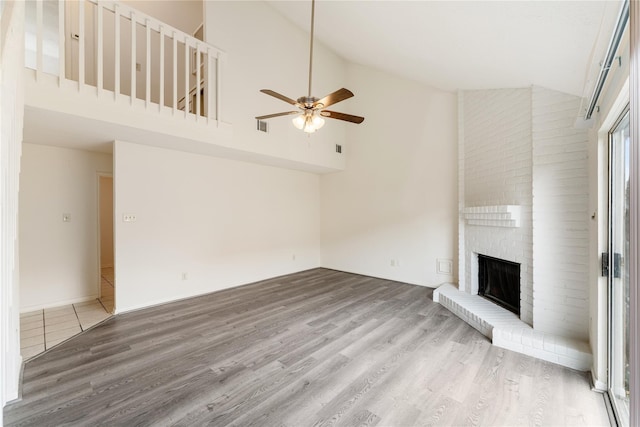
[{"x": 499, "y": 281}]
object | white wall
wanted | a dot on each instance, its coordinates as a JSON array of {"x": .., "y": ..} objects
[
  {"x": 397, "y": 198},
  {"x": 11, "y": 122},
  {"x": 222, "y": 222},
  {"x": 266, "y": 51},
  {"x": 185, "y": 15},
  {"x": 59, "y": 260},
  {"x": 560, "y": 216}
]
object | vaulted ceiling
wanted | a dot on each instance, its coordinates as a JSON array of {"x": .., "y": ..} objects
[{"x": 468, "y": 44}]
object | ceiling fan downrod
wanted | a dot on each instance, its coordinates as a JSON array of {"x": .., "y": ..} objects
[{"x": 313, "y": 10}]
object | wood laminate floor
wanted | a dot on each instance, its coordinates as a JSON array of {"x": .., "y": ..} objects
[{"x": 317, "y": 348}]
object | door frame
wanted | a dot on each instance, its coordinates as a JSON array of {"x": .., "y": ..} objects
[
  {"x": 610, "y": 278},
  {"x": 98, "y": 176}
]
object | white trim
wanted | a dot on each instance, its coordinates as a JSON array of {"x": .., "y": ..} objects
[
  {"x": 618, "y": 106},
  {"x": 597, "y": 385},
  {"x": 601, "y": 346},
  {"x": 634, "y": 207},
  {"x": 97, "y": 201}
]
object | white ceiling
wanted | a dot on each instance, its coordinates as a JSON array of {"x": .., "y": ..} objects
[{"x": 468, "y": 44}]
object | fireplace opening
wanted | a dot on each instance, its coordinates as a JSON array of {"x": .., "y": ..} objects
[{"x": 499, "y": 282}]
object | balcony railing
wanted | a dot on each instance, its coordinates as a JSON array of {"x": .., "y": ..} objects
[{"x": 119, "y": 52}]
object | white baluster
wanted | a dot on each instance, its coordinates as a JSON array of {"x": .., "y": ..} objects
[
  {"x": 218, "y": 85},
  {"x": 116, "y": 62},
  {"x": 100, "y": 59},
  {"x": 197, "y": 81},
  {"x": 147, "y": 24},
  {"x": 186, "y": 75},
  {"x": 39, "y": 31},
  {"x": 81, "y": 41},
  {"x": 61, "y": 42},
  {"x": 175, "y": 72},
  {"x": 133, "y": 57},
  {"x": 161, "y": 101},
  {"x": 207, "y": 86}
]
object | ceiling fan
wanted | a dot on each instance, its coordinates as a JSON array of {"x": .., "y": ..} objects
[{"x": 311, "y": 109}]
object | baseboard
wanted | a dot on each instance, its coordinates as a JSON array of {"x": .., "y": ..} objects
[
  {"x": 17, "y": 396},
  {"x": 58, "y": 303}
]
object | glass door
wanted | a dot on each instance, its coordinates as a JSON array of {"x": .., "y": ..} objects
[{"x": 617, "y": 269}]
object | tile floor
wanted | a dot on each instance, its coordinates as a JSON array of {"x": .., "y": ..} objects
[
  {"x": 42, "y": 329},
  {"x": 107, "y": 289}
]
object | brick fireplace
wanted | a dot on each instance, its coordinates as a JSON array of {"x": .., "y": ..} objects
[{"x": 523, "y": 198}]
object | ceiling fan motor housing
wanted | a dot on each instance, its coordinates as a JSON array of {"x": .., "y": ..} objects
[{"x": 308, "y": 102}]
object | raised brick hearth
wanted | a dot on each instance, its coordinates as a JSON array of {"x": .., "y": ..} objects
[
  {"x": 506, "y": 330},
  {"x": 523, "y": 197}
]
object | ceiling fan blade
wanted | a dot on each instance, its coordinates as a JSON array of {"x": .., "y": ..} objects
[
  {"x": 269, "y": 116},
  {"x": 279, "y": 96},
  {"x": 342, "y": 116},
  {"x": 335, "y": 97}
]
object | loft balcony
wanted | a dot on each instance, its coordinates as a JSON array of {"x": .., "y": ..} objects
[{"x": 99, "y": 71}]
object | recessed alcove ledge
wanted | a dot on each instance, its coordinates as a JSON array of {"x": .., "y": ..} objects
[{"x": 506, "y": 330}]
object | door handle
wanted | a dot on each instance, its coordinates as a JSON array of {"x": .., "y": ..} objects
[{"x": 617, "y": 264}]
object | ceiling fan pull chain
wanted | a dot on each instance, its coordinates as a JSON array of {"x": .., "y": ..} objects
[{"x": 313, "y": 9}]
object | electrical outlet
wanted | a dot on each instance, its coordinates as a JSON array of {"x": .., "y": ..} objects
[
  {"x": 393, "y": 262},
  {"x": 185, "y": 276},
  {"x": 129, "y": 218}
]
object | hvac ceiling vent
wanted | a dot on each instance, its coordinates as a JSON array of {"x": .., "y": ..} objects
[{"x": 262, "y": 126}]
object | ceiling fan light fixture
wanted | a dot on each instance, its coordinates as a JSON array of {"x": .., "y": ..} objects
[
  {"x": 309, "y": 124},
  {"x": 317, "y": 121},
  {"x": 309, "y": 128},
  {"x": 308, "y": 121},
  {"x": 299, "y": 121}
]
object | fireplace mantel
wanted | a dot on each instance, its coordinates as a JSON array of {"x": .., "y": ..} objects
[{"x": 493, "y": 216}]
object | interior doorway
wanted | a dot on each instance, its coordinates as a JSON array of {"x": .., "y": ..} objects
[{"x": 105, "y": 233}]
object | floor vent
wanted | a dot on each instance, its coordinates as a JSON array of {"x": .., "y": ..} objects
[
  {"x": 261, "y": 125},
  {"x": 338, "y": 148}
]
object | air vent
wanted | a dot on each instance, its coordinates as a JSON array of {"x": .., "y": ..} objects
[
  {"x": 262, "y": 126},
  {"x": 338, "y": 148}
]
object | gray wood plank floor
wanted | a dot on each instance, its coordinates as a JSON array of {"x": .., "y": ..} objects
[{"x": 316, "y": 348}]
